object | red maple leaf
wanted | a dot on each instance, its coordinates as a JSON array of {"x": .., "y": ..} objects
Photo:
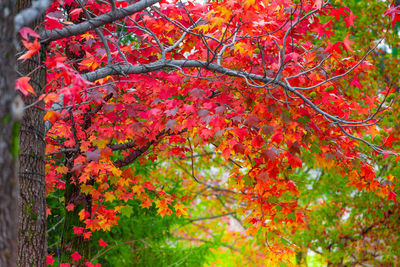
[
  {"x": 356, "y": 82},
  {"x": 392, "y": 196},
  {"x": 22, "y": 84},
  {"x": 75, "y": 13},
  {"x": 49, "y": 259},
  {"x": 102, "y": 243},
  {"x": 252, "y": 121},
  {"x": 394, "y": 13},
  {"x": 239, "y": 148},
  {"x": 70, "y": 207},
  {"x": 321, "y": 29},
  {"x": 87, "y": 235},
  {"x": 75, "y": 257},
  {"x": 389, "y": 140},
  {"x": 78, "y": 230},
  {"x": 347, "y": 43},
  {"x": 52, "y": 23},
  {"x": 337, "y": 12},
  {"x": 147, "y": 203},
  {"x": 350, "y": 20},
  {"x": 33, "y": 48},
  {"x": 25, "y": 31}
]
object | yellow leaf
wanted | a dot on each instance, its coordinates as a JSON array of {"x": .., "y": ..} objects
[
  {"x": 180, "y": 209},
  {"x": 124, "y": 182},
  {"x": 241, "y": 47},
  {"x": 137, "y": 189},
  {"x": 109, "y": 196},
  {"x": 82, "y": 214},
  {"x": 249, "y": 3},
  {"x": 100, "y": 143},
  {"x": 62, "y": 169},
  {"x": 51, "y": 98},
  {"x": 51, "y": 116},
  {"x": 86, "y": 189},
  {"x": 118, "y": 208}
]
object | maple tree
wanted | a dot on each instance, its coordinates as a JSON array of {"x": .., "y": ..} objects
[
  {"x": 251, "y": 85},
  {"x": 346, "y": 226}
]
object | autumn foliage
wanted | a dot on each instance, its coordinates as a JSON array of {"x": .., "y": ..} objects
[{"x": 233, "y": 100}]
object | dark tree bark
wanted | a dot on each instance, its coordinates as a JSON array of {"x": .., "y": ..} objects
[
  {"x": 8, "y": 137},
  {"x": 32, "y": 245}
]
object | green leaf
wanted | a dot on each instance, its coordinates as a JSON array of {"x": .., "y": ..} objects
[
  {"x": 270, "y": 235},
  {"x": 284, "y": 241},
  {"x": 395, "y": 52},
  {"x": 127, "y": 211}
]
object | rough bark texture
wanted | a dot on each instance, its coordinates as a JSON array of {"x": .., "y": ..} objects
[
  {"x": 8, "y": 180},
  {"x": 32, "y": 205},
  {"x": 32, "y": 246}
]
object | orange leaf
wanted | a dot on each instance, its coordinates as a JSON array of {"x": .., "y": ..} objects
[
  {"x": 163, "y": 209},
  {"x": 51, "y": 116},
  {"x": 33, "y": 48},
  {"x": 70, "y": 207},
  {"x": 48, "y": 212},
  {"x": 22, "y": 84},
  {"x": 180, "y": 209},
  {"x": 82, "y": 214},
  {"x": 50, "y": 98},
  {"x": 147, "y": 203}
]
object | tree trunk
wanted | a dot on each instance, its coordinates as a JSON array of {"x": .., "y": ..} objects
[
  {"x": 8, "y": 137},
  {"x": 70, "y": 242},
  {"x": 32, "y": 245},
  {"x": 301, "y": 257}
]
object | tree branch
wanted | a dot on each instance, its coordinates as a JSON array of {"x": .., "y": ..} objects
[
  {"x": 29, "y": 15},
  {"x": 180, "y": 64},
  {"x": 114, "y": 15}
]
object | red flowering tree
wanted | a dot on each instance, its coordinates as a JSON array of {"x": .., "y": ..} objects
[{"x": 258, "y": 83}]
